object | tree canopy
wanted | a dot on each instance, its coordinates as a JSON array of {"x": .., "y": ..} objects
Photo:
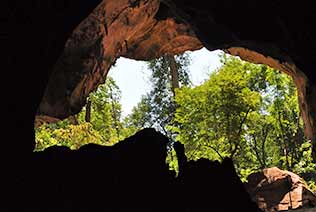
[
  {"x": 104, "y": 127},
  {"x": 244, "y": 111}
]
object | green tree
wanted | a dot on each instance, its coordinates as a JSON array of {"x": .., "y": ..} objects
[
  {"x": 210, "y": 118},
  {"x": 100, "y": 124},
  {"x": 246, "y": 112},
  {"x": 72, "y": 136},
  {"x": 305, "y": 167},
  {"x": 157, "y": 107},
  {"x": 105, "y": 112},
  {"x": 287, "y": 123}
]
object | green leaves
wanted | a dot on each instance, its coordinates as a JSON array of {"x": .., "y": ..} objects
[
  {"x": 244, "y": 111},
  {"x": 105, "y": 127},
  {"x": 72, "y": 136},
  {"x": 156, "y": 108},
  {"x": 215, "y": 111}
]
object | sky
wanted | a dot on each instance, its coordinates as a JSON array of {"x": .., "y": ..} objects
[{"x": 132, "y": 76}]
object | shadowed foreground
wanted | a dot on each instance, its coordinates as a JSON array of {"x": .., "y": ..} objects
[{"x": 131, "y": 173}]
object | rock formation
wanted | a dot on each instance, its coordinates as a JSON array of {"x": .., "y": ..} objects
[
  {"x": 132, "y": 173},
  {"x": 134, "y": 29},
  {"x": 146, "y": 29},
  {"x": 277, "y": 190}
]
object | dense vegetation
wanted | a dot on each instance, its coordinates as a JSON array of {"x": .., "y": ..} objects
[
  {"x": 246, "y": 112},
  {"x": 99, "y": 123},
  {"x": 243, "y": 111}
]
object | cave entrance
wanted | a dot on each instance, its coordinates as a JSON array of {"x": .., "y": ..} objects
[
  {"x": 243, "y": 111},
  {"x": 145, "y": 30},
  {"x": 110, "y": 112},
  {"x": 240, "y": 110}
]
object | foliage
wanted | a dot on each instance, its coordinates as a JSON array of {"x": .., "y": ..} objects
[
  {"x": 105, "y": 127},
  {"x": 106, "y": 111},
  {"x": 246, "y": 112},
  {"x": 210, "y": 118},
  {"x": 305, "y": 167},
  {"x": 306, "y": 164},
  {"x": 172, "y": 160},
  {"x": 157, "y": 107},
  {"x": 72, "y": 136}
]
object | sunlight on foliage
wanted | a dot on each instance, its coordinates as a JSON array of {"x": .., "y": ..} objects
[
  {"x": 173, "y": 161},
  {"x": 104, "y": 128},
  {"x": 72, "y": 136},
  {"x": 244, "y": 111}
]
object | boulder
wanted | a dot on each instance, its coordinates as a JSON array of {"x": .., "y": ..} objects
[{"x": 278, "y": 190}]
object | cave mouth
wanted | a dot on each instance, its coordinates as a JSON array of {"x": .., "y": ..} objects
[
  {"x": 243, "y": 111},
  {"x": 147, "y": 31},
  {"x": 125, "y": 71},
  {"x": 143, "y": 31}
]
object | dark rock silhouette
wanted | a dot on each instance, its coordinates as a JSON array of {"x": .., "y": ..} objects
[
  {"x": 219, "y": 183},
  {"x": 131, "y": 173}
]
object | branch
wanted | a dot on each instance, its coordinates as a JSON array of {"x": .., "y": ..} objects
[
  {"x": 265, "y": 135},
  {"x": 163, "y": 128},
  {"x": 256, "y": 151},
  {"x": 237, "y": 144},
  {"x": 213, "y": 148},
  {"x": 284, "y": 142}
]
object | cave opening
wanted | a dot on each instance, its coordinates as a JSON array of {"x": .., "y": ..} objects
[
  {"x": 144, "y": 31},
  {"x": 96, "y": 33},
  {"x": 128, "y": 83},
  {"x": 240, "y": 110},
  {"x": 248, "y": 113}
]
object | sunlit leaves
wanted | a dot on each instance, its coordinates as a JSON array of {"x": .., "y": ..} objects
[
  {"x": 245, "y": 111},
  {"x": 105, "y": 127},
  {"x": 214, "y": 112},
  {"x": 156, "y": 108},
  {"x": 72, "y": 136}
]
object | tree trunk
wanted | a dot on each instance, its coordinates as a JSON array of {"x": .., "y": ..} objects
[
  {"x": 236, "y": 139},
  {"x": 73, "y": 120},
  {"x": 174, "y": 73},
  {"x": 255, "y": 149},
  {"x": 285, "y": 146},
  {"x": 88, "y": 112},
  {"x": 114, "y": 115},
  {"x": 265, "y": 133}
]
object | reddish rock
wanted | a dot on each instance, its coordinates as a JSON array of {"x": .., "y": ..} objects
[
  {"x": 277, "y": 190},
  {"x": 115, "y": 28}
]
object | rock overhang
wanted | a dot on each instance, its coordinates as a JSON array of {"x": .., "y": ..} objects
[{"x": 147, "y": 29}]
